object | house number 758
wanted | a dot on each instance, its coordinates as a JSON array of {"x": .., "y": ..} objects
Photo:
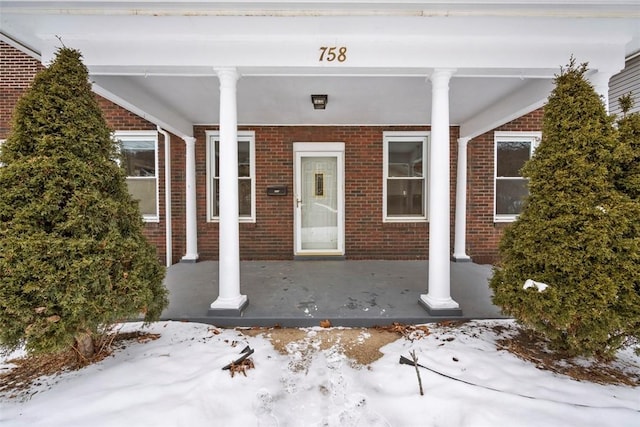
[{"x": 333, "y": 53}]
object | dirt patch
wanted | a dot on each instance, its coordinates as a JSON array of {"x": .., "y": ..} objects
[
  {"x": 534, "y": 349},
  {"x": 361, "y": 345}
]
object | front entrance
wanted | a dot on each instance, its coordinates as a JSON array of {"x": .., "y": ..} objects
[{"x": 319, "y": 199}]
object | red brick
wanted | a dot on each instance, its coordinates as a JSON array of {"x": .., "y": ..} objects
[{"x": 271, "y": 237}]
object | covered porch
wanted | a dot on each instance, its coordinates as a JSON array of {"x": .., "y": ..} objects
[
  {"x": 348, "y": 293},
  {"x": 470, "y": 67}
]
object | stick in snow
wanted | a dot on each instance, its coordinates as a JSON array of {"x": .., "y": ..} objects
[
  {"x": 415, "y": 364},
  {"x": 247, "y": 351}
]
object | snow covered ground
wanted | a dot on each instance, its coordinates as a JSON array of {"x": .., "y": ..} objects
[{"x": 177, "y": 380}]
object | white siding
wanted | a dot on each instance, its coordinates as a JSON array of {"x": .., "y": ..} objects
[{"x": 628, "y": 80}]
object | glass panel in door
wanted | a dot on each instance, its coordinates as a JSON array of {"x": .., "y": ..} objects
[{"x": 319, "y": 203}]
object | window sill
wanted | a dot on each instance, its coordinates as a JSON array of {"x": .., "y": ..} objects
[
  {"x": 403, "y": 220},
  {"x": 504, "y": 220}
]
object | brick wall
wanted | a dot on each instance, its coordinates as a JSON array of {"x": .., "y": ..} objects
[
  {"x": 17, "y": 70},
  {"x": 483, "y": 235},
  {"x": 271, "y": 236}
]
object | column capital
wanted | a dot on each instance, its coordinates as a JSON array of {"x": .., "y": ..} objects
[
  {"x": 227, "y": 75},
  {"x": 189, "y": 140},
  {"x": 462, "y": 142},
  {"x": 441, "y": 75}
]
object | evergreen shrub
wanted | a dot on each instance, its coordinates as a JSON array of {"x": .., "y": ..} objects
[
  {"x": 577, "y": 232},
  {"x": 73, "y": 258}
]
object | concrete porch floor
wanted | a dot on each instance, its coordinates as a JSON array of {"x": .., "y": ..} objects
[{"x": 348, "y": 293}]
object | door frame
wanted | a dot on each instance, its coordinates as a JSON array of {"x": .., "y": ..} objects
[{"x": 317, "y": 149}]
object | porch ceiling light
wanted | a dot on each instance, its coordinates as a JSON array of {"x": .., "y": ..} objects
[{"x": 319, "y": 101}]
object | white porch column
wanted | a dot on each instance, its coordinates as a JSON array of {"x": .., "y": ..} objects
[
  {"x": 600, "y": 82},
  {"x": 438, "y": 300},
  {"x": 167, "y": 198},
  {"x": 190, "y": 208},
  {"x": 459, "y": 248},
  {"x": 229, "y": 301}
]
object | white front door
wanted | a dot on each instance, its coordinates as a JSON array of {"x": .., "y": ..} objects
[{"x": 319, "y": 199}]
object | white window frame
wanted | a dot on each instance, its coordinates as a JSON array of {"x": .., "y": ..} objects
[
  {"x": 135, "y": 135},
  {"x": 408, "y": 136},
  {"x": 2, "y": 142},
  {"x": 212, "y": 137},
  {"x": 531, "y": 137}
]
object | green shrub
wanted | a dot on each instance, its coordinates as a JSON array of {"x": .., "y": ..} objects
[
  {"x": 577, "y": 232},
  {"x": 73, "y": 258}
]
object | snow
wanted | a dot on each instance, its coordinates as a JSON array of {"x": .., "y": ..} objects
[
  {"x": 177, "y": 380},
  {"x": 533, "y": 284}
]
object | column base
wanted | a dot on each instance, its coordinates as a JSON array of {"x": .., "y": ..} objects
[
  {"x": 190, "y": 258},
  {"x": 232, "y": 307},
  {"x": 446, "y": 307},
  {"x": 461, "y": 258}
]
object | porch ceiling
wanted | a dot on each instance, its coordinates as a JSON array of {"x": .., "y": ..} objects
[
  {"x": 285, "y": 100},
  {"x": 158, "y": 58}
]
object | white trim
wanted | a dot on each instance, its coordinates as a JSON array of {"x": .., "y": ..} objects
[
  {"x": 530, "y": 97},
  {"x": 318, "y": 146},
  {"x": 133, "y": 135},
  {"x": 395, "y": 136},
  {"x": 534, "y": 138},
  {"x": 212, "y": 136},
  {"x": 183, "y": 130},
  {"x": 319, "y": 149},
  {"x": 20, "y": 46}
]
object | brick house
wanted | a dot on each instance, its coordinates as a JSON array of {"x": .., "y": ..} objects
[{"x": 295, "y": 130}]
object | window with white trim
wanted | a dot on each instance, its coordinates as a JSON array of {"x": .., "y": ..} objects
[
  {"x": 512, "y": 151},
  {"x": 405, "y": 176},
  {"x": 1, "y": 142},
  {"x": 246, "y": 176},
  {"x": 140, "y": 156}
]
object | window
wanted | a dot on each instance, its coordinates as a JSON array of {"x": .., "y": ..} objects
[
  {"x": 246, "y": 174},
  {"x": 1, "y": 142},
  {"x": 139, "y": 151},
  {"x": 404, "y": 181},
  {"x": 512, "y": 150}
]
